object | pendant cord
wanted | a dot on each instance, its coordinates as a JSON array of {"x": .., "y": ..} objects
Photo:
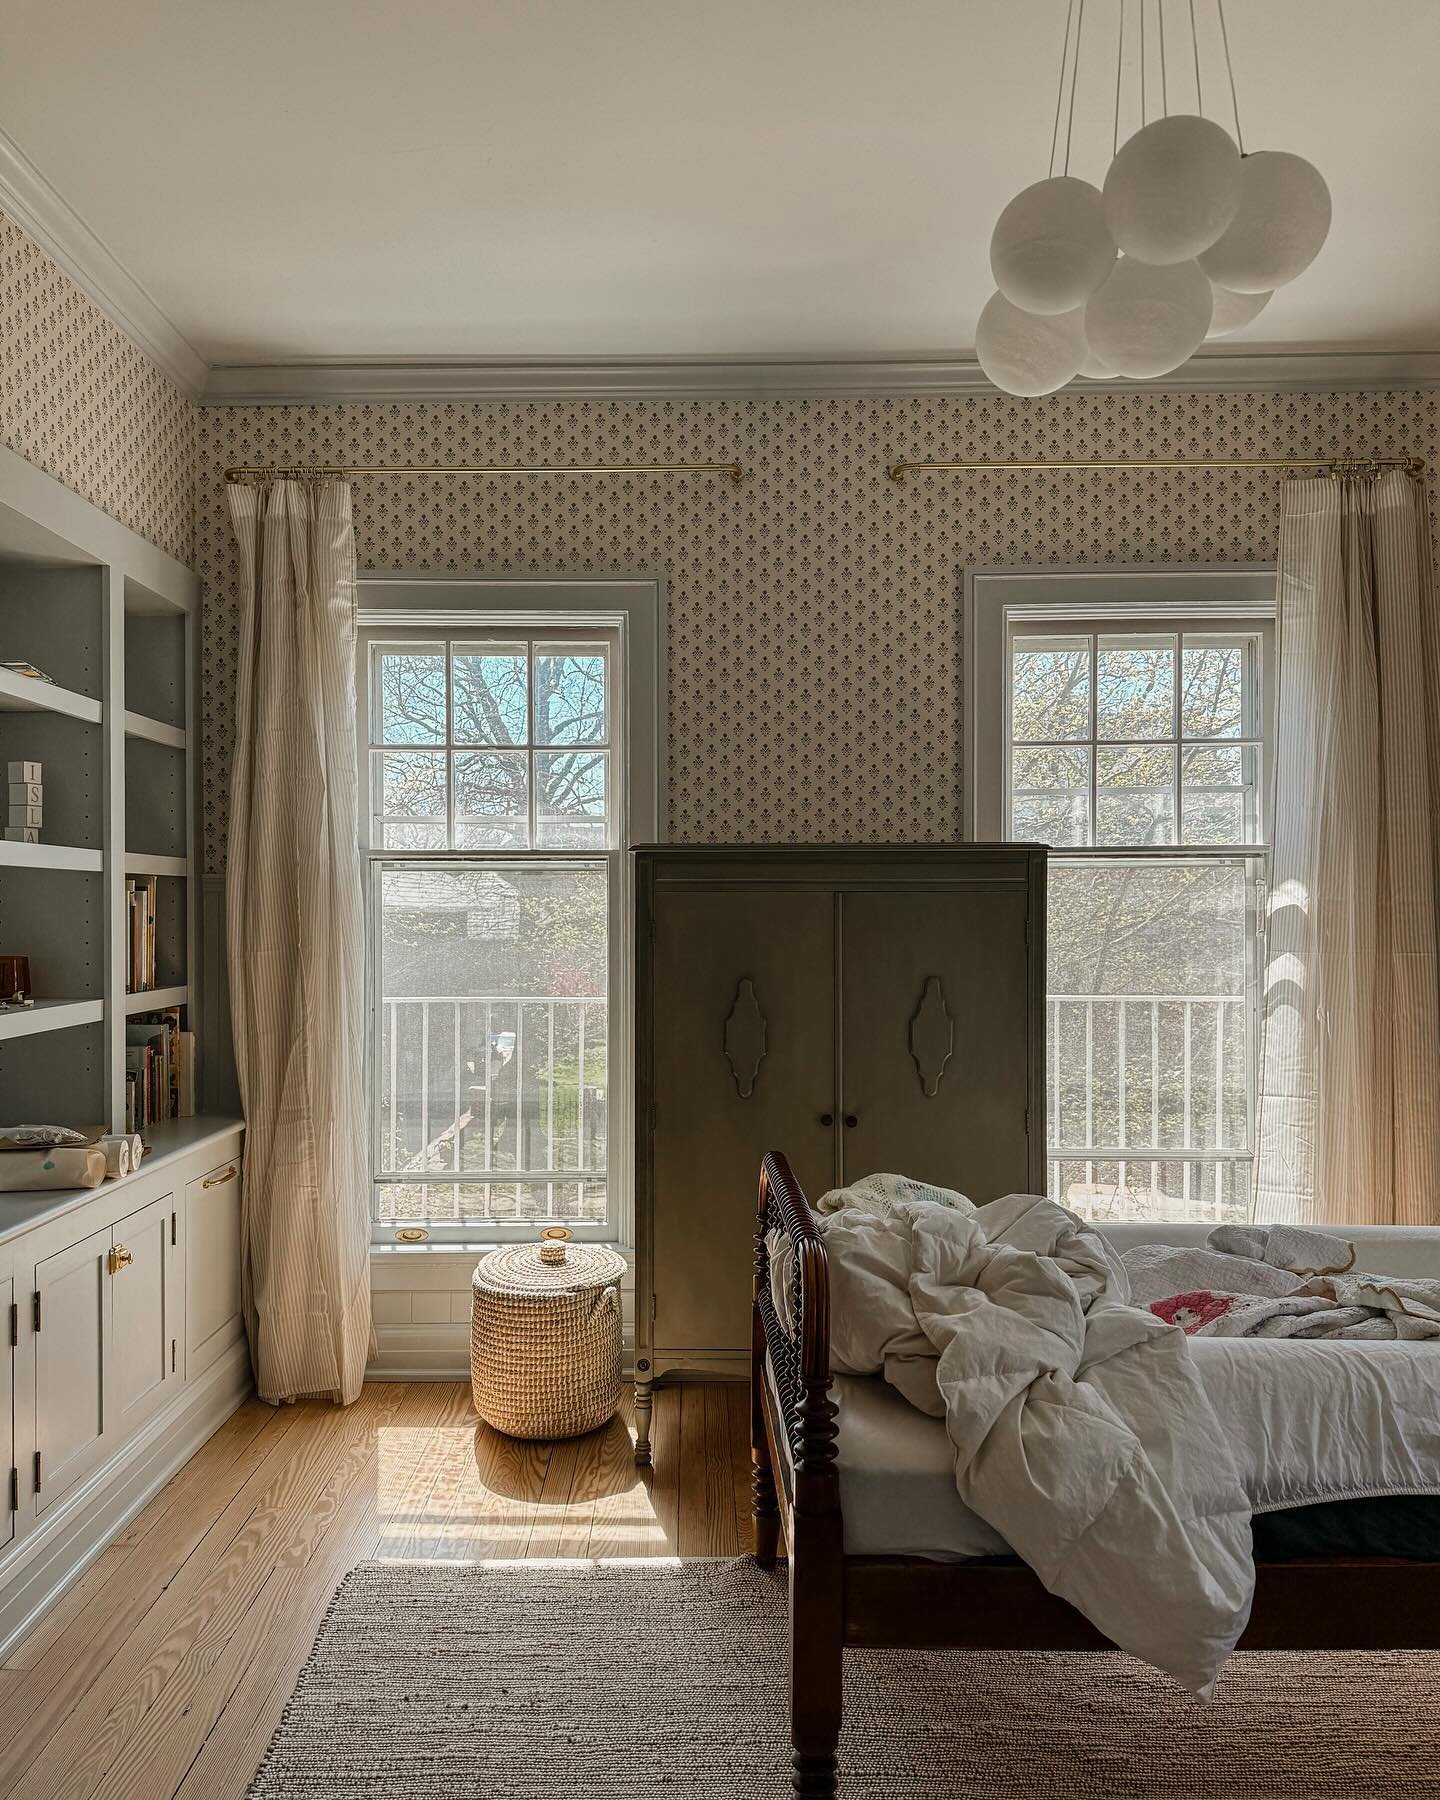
[
  {"x": 1164, "y": 85},
  {"x": 1074, "y": 82},
  {"x": 1143, "y": 56},
  {"x": 1195, "y": 48},
  {"x": 1119, "y": 65},
  {"x": 1060, "y": 90},
  {"x": 1230, "y": 71}
]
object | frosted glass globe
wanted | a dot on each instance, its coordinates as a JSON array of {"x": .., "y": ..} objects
[
  {"x": 1233, "y": 310},
  {"x": 1050, "y": 249},
  {"x": 1282, "y": 220},
  {"x": 1095, "y": 368},
  {"x": 1147, "y": 320},
  {"x": 1172, "y": 189},
  {"x": 1028, "y": 353}
]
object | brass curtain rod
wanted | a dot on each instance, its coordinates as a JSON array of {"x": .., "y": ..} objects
[
  {"x": 272, "y": 473},
  {"x": 1334, "y": 465}
]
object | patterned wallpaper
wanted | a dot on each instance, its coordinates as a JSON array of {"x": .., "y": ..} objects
[
  {"x": 80, "y": 400},
  {"x": 814, "y": 615}
]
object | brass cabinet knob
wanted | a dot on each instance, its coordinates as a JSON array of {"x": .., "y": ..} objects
[
  {"x": 220, "y": 1179},
  {"x": 120, "y": 1258}
]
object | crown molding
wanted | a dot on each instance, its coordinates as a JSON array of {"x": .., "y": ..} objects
[
  {"x": 43, "y": 215},
  {"x": 337, "y": 382}
]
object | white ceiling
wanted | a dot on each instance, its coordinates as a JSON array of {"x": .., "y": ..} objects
[{"x": 550, "y": 178}]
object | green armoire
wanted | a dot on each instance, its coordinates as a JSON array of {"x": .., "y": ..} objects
[{"x": 861, "y": 1008}]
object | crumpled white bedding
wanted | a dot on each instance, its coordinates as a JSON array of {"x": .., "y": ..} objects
[{"x": 1076, "y": 1422}]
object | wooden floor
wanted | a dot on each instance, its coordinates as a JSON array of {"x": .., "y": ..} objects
[{"x": 165, "y": 1669}]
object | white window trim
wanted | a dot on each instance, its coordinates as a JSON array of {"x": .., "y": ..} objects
[
  {"x": 635, "y": 610},
  {"x": 995, "y": 599},
  {"x": 1134, "y": 599}
]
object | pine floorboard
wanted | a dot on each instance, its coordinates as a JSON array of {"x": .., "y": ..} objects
[{"x": 163, "y": 1671}]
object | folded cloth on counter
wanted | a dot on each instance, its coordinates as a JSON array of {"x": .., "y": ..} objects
[
  {"x": 32, "y": 1171},
  {"x": 1079, "y": 1428},
  {"x": 1278, "y": 1281}
]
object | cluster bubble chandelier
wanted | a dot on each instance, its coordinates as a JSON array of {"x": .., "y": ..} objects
[{"x": 1186, "y": 239}]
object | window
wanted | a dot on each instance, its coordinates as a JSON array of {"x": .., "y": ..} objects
[
  {"x": 1133, "y": 740},
  {"x": 496, "y": 757}
]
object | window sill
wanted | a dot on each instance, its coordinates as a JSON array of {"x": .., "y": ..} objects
[{"x": 470, "y": 1252}]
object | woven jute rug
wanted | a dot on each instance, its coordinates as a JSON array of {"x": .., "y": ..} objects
[{"x": 632, "y": 1681}]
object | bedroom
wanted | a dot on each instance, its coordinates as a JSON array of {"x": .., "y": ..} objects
[{"x": 571, "y": 655}]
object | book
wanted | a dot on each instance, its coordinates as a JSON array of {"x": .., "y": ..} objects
[{"x": 142, "y": 896}]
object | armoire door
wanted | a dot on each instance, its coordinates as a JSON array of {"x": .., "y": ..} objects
[
  {"x": 744, "y": 1061},
  {"x": 7, "y": 1415},
  {"x": 936, "y": 1037}
]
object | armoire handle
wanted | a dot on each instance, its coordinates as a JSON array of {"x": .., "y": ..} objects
[
  {"x": 827, "y": 1119},
  {"x": 851, "y": 1120}
]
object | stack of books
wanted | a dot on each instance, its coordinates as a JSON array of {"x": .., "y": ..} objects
[
  {"x": 141, "y": 896},
  {"x": 26, "y": 803},
  {"x": 159, "y": 1069}
]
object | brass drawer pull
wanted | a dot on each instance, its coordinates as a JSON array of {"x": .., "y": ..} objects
[
  {"x": 120, "y": 1258},
  {"x": 220, "y": 1179}
]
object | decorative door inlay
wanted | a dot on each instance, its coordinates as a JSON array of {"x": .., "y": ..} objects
[
  {"x": 745, "y": 1034},
  {"x": 932, "y": 1036}
]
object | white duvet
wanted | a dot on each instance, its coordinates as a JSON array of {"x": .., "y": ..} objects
[{"x": 1079, "y": 1428}]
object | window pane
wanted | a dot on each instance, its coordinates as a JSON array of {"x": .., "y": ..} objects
[
  {"x": 1220, "y": 801},
  {"x": 489, "y": 694},
  {"x": 493, "y": 1041},
  {"x": 1049, "y": 689},
  {"x": 1135, "y": 688},
  {"x": 407, "y": 702},
  {"x": 409, "y": 799},
  {"x": 1212, "y": 693},
  {"x": 570, "y": 799},
  {"x": 1174, "y": 1191},
  {"x": 1135, "y": 796},
  {"x": 1050, "y": 796},
  {"x": 492, "y": 809},
  {"x": 570, "y": 695},
  {"x": 1149, "y": 1034}
]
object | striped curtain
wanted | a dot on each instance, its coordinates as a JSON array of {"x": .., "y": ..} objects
[
  {"x": 1349, "y": 1114},
  {"x": 296, "y": 943}
]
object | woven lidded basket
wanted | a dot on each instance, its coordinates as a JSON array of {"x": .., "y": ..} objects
[{"x": 545, "y": 1338}]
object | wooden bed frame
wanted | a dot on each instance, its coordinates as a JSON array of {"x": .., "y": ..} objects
[{"x": 1362, "y": 1603}]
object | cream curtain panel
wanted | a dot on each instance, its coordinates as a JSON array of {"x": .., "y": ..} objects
[
  {"x": 296, "y": 942},
  {"x": 1349, "y": 1116}
]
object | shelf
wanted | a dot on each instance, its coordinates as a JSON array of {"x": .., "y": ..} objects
[
  {"x": 23, "y": 693},
  {"x": 49, "y": 1015},
  {"x": 137, "y": 864},
  {"x": 154, "y": 731},
  {"x": 49, "y": 856},
  {"x": 156, "y": 999}
]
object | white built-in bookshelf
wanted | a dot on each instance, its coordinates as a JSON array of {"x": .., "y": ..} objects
[{"x": 113, "y": 620}]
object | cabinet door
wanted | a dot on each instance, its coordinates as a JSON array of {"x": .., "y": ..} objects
[
  {"x": 213, "y": 1318},
  {"x": 936, "y": 1037},
  {"x": 142, "y": 1377},
  {"x": 7, "y": 1412},
  {"x": 71, "y": 1366},
  {"x": 743, "y": 1019}
]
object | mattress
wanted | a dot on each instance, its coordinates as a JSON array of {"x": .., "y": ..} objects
[{"x": 1311, "y": 1424}]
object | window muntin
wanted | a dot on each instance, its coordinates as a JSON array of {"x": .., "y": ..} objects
[
  {"x": 495, "y": 875},
  {"x": 1138, "y": 755}
]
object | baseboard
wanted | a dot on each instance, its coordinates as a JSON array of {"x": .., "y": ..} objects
[{"x": 59, "y": 1550}]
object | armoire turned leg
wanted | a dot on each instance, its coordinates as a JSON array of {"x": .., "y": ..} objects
[
  {"x": 644, "y": 1401},
  {"x": 764, "y": 1511}
]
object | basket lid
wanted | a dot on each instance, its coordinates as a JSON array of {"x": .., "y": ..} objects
[{"x": 518, "y": 1269}]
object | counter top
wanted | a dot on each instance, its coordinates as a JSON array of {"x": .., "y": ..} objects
[{"x": 172, "y": 1141}]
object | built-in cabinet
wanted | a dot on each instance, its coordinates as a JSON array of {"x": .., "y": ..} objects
[{"x": 126, "y": 1348}]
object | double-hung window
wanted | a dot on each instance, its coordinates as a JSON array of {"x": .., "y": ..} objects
[
  {"x": 496, "y": 750},
  {"x": 1130, "y": 729}
]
